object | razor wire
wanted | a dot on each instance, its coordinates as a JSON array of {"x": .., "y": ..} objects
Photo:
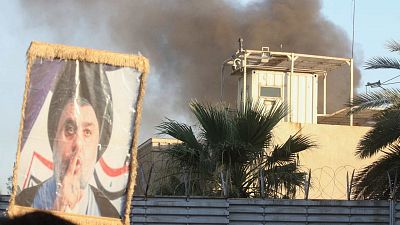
[{"x": 325, "y": 183}]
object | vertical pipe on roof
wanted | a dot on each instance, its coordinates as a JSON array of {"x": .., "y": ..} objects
[
  {"x": 290, "y": 86},
  {"x": 351, "y": 88},
  {"x": 325, "y": 74},
  {"x": 244, "y": 80}
]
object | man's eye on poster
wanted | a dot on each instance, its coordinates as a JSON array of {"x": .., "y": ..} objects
[{"x": 77, "y": 137}]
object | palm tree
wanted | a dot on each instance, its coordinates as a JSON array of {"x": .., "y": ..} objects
[
  {"x": 234, "y": 151},
  {"x": 379, "y": 180}
]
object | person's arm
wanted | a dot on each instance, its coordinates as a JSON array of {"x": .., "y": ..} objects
[{"x": 68, "y": 192}]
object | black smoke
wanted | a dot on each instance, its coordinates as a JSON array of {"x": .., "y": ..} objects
[{"x": 187, "y": 40}]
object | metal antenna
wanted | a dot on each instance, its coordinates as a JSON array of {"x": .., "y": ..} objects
[
  {"x": 307, "y": 182},
  {"x": 352, "y": 41},
  {"x": 240, "y": 44},
  {"x": 262, "y": 184},
  {"x": 349, "y": 184}
]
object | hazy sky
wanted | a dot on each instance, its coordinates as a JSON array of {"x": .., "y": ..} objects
[{"x": 375, "y": 24}]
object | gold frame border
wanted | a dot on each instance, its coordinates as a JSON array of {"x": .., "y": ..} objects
[{"x": 57, "y": 51}]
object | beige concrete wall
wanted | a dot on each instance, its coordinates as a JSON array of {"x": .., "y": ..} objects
[
  {"x": 329, "y": 162},
  {"x": 332, "y": 160},
  {"x": 149, "y": 155}
]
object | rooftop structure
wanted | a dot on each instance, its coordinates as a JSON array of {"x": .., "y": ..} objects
[{"x": 292, "y": 78}]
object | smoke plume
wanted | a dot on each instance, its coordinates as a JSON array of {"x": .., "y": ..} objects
[{"x": 187, "y": 41}]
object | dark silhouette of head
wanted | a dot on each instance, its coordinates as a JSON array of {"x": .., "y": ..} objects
[{"x": 36, "y": 218}]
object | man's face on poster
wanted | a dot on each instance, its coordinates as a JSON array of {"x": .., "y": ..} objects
[
  {"x": 70, "y": 111},
  {"x": 76, "y": 142}
]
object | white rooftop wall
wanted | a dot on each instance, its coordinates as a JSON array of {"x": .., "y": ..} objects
[{"x": 272, "y": 87}]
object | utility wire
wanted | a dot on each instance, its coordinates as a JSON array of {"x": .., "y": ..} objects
[
  {"x": 391, "y": 83},
  {"x": 391, "y": 79}
]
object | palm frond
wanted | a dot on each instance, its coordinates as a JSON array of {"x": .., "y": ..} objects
[
  {"x": 385, "y": 131},
  {"x": 393, "y": 46},
  {"x": 375, "y": 99},
  {"x": 182, "y": 155},
  {"x": 255, "y": 124},
  {"x": 293, "y": 145},
  {"x": 372, "y": 181},
  {"x": 238, "y": 177},
  {"x": 234, "y": 143},
  {"x": 254, "y": 131},
  {"x": 382, "y": 63},
  {"x": 179, "y": 131},
  {"x": 283, "y": 178},
  {"x": 214, "y": 121}
]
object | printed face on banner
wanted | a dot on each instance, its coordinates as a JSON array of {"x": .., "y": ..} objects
[{"x": 78, "y": 130}]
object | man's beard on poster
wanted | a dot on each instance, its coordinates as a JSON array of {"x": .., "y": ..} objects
[{"x": 61, "y": 167}]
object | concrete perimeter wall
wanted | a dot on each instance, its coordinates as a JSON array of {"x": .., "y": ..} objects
[{"x": 331, "y": 160}]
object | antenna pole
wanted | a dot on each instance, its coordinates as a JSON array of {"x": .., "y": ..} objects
[{"x": 352, "y": 41}]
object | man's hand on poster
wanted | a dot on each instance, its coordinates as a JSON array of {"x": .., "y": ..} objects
[{"x": 68, "y": 191}]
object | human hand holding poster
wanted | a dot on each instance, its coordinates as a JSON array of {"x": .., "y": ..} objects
[{"x": 78, "y": 135}]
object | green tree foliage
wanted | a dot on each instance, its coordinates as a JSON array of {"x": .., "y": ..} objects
[
  {"x": 376, "y": 180},
  {"x": 233, "y": 150}
]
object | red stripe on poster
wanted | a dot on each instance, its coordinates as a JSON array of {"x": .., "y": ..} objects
[
  {"x": 46, "y": 162},
  {"x": 112, "y": 172}
]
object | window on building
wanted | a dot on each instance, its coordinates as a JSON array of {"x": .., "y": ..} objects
[{"x": 270, "y": 92}]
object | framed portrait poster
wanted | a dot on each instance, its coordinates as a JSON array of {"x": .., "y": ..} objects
[{"x": 78, "y": 135}]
